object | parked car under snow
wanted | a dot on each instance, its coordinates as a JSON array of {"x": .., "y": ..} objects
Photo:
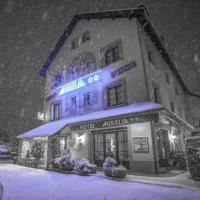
[{"x": 5, "y": 154}]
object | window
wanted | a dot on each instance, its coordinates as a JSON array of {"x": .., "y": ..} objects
[
  {"x": 176, "y": 90},
  {"x": 112, "y": 53},
  {"x": 75, "y": 43},
  {"x": 180, "y": 112},
  {"x": 56, "y": 111},
  {"x": 85, "y": 36},
  {"x": 116, "y": 95},
  {"x": 157, "y": 95},
  {"x": 73, "y": 103},
  {"x": 151, "y": 58},
  {"x": 196, "y": 121},
  {"x": 57, "y": 79},
  {"x": 86, "y": 99},
  {"x": 167, "y": 78},
  {"x": 172, "y": 107}
]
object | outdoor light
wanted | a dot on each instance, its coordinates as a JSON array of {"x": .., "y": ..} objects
[
  {"x": 81, "y": 138},
  {"x": 40, "y": 116}
]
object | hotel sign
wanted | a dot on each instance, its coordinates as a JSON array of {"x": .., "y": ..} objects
[
  {"x": 123, "y": 69},
  {"x": 81, "y": 82},
  {"x": 113, "y": 122}
]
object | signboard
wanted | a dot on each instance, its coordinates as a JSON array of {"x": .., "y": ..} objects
[
  {"x": 123, "y": 69},
  {"x": 81, "y": 82},
  {"x": 113, "y": 122},
  {"x": 140, "y": 145}
]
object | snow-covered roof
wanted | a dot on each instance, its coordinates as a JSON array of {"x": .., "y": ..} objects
[{"x": 51, "y": 128}]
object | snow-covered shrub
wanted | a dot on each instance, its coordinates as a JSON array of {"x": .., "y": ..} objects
[
  {"x": 64, "y": 162},
  {"x": 110, "y": 168},
  {"x": 83, "y": 166},
  {"x": 193, "y": 156}
]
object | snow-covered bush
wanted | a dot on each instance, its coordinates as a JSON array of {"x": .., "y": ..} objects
[
  {"x": 193, "y": 156},
  {"x": 83, "y": 166},
  {"x": 64, "y": 162},
  {"x": 110, "y": 168}
]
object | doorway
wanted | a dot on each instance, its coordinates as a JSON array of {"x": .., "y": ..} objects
[{"x": 113, "y": 142}]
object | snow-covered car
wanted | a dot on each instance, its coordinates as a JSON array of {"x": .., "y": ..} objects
[{"x": 5, "y": 154}]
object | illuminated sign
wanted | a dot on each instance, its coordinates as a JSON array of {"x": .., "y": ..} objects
[
  {"x": 81, "y": 82},
  {"x": 123, "y": 69}
]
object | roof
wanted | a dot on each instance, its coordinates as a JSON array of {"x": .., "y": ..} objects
[
  {"x": 54, "y": 127},
  {"x": 140, "y": 12}
]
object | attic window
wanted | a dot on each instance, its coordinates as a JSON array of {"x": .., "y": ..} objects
[{"x": 85, "y": 36}]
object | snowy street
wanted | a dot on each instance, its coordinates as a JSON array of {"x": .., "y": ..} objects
[{"x": 22, "y": 183}]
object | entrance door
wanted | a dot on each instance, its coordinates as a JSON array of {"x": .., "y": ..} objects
[
  {"x": 112, "y": 141},
  {"x": 163, "y": 147}
]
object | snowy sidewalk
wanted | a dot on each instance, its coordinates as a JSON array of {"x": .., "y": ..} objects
[{"x": 22, "y": 183}]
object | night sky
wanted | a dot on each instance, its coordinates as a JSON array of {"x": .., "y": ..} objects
[{"x": 29, "y": 29}]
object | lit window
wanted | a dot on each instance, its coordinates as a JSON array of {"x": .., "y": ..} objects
[
  {"x": 56, "y": 111},
  {"x": 85, "y": 36},
  {"x": 73, "y": 103},
  {"x": 86, "y": 99},
  {"x": 116, "y": 95}
]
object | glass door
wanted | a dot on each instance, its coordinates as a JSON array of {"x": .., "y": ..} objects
[
  {"x": 99, "y": 149},
  {"x": 114, "y": 142}
]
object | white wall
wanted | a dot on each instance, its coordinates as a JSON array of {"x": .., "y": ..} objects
[{"x": 103, "y": 32}]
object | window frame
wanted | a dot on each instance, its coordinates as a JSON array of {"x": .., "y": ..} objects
[
  {"x": 117, "y": 44},
  {"x": 87, "y": 99},
  {"x": 115, "y": 86},
  {"x": 74, "y": 102}
]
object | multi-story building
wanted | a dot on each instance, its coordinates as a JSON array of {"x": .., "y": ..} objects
[{"x": 111, "y": 87}]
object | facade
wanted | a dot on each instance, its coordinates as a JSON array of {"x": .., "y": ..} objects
[{"x": 111, "y": 87}]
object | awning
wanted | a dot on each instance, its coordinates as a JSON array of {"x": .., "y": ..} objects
[{"x": 52, "y": 128}]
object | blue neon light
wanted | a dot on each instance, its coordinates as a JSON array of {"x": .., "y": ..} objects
[{"x": 81, "y": 82}]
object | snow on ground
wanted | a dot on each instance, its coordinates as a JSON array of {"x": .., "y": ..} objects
[{"x": 22, "y": 183}]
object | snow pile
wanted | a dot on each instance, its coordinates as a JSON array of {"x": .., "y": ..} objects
[
  {"x": 83, "y": 166},
  {"x": 22, "y": 183},
  {"x": 65, "y": 162}
]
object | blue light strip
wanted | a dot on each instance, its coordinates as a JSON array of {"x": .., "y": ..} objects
[{"x": 81, "y": 82}]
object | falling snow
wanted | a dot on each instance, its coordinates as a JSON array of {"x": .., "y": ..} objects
[{"x": 31, "y": 29}]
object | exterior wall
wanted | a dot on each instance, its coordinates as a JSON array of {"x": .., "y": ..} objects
[
  {"x": 142, "y": 162},
  {"x": 155, "y": 71},
  {"x": 103, "y": 33}
]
